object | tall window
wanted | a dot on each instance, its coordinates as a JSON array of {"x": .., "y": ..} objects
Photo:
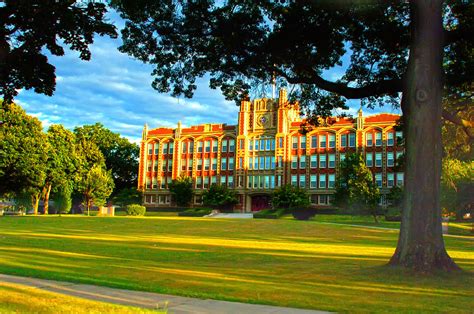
[
  {"x": 294, "y": 180},
  {"x": 272, "y": 162},
  {"x": 322, "y": 141},
  {"x": 149, "y": 165},
  {"x": 214, "y": 164},
  {"x": 332, "y": 160},
  {"x": 150, "y": 149},
  {"x": 224, "y": 145},
  {"x": 190, "y": 164},
  {"x": 390, "y": 139},
  {"x": 241, "y": 163},
  {"x": 314, "y": 141},
  {"x": 378, "y": 179},
  {"x": 224, "y": 163},
  {"x": 280, "y": 161},
  {"x": 214, "y": 145},
  {"x": 165, "y": 148},
  {"x": 322, "y": 161},
  {"x": 352, "y": 140},
  {"x": 294, "y": 142},
  {"x": 261, "y": 161},
  {"x": 302, "y": 181},
  {"x": 170, "y": 165},
  {"x": 390, "y": 179},
  {"x": 206, "y": 163},
  {"x": 183, "y": 164},
  {"x": 313, "y": 181},
  {"x": 369, "y": 160},
  {"x": 314, "y": 161},
  {"x": 343, "y": 140},
  {"x": 369, "y": 139},
  {"x": 250, "y": 163},
  {"x": 302, "y": 162},
  {"x": 280, "y": 142},
  {"x": 206, "y": 182},
  {"x": 199, "y": 164},
  {"x": 199, "y": 147},
  {"x": 332, "y": 141},
  {"x": 331, "y": 180},
  {"x": 171, "y": 148},
  {"x": 230, "y": 181},
  {"x": 156, "y": 148},
  {"x": 294, "y": 162},
  {"x": 390, "y": 159},
  {"x": 231, "y": 163},
  {"x": 378, "y": 139},
  {"x": 400, "y": 179},
  {"x": 191, "y": 147},
  {"x": 184, "y": 148},
  {"x": 303, "y": 142},
  {"x": 267, "y": 162},
  {"x": 378, "y": 159},
  {"x": 207, "y": 146},
  {"x": 398, "y": 156},
  {"x": 399, "y": 136},
  {"x": 231, "y": 145},
  {"x": 322, "y": 181}
]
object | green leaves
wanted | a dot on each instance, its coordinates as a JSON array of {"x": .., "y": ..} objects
[
  {"x": 182, "y": 190},
  {"x": 219, "y": 196},
  {"x": 289, "y": 196}
]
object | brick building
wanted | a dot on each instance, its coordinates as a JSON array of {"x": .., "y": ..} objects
[{"x": 264, "y": 151}]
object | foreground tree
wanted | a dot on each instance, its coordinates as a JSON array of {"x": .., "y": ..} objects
[
  {"x": 96, "y": 185},
  {"x": 29, "y": 28},
  {"x": 220, "y": 197},
  {"x": 395, "y": 46},
  {"x": 355, "y": 187},
  {"x": 182, "y": 190},
  {"x": 290, "y": 197},
  {"x": 457, "y": 186}
]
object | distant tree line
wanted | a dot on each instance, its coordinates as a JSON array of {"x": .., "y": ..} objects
[{"x": 90, "y": 164}]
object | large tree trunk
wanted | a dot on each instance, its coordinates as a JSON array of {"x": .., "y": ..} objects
[
  {"x": 420, "y": 244},
  {"x": 47, "y": 192},
  {"x": 35, "y": 198}
]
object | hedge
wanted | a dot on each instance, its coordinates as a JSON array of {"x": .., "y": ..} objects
[
  {"x": 270, "y": 213},
  {"x": 195, "y": 212},
  {"x": 136, "y": 210}
]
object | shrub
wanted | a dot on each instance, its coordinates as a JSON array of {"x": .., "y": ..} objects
[
  {"x": 136, "y": 210},
  {"x": 393, "y": 214},
  {"x": 219, "y": 196},
  {"x": 195, "y": 212},
  {"x": 289, "y": 196},
  {"x": 182, "y": 190},
  {"x": 270, "y": 213}
]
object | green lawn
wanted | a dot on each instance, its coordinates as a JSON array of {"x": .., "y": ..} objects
[
  {"x": 23, "y": 299},
  {"x": 281, "y": 262}
]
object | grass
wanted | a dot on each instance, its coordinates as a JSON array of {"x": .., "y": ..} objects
[
  {"x": 23, "y": 299},
  {"x": 280, "y": 262}
]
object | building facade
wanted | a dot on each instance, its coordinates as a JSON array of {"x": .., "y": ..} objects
[{"x": 264, "y": 151}]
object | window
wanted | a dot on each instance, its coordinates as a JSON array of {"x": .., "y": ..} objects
[
  {"x": 272, "y": 162},
  {"x": 369, "y": 160},
  {"x": 323, "y": 199},
  {"x": 272, "y": 144},
  {"x": 231, "y": 145},
  {"x": 222, "y": 180},
  {"x": 294, "y": 180},
  {"x": 390, "y": 160},
  {"x": 314, "y": 199},
  {"x": 231, "y": 163},
  {"x": 332, "y": 160},
  {"x": 255, "y": 182},
  {"x": 155, "y": 166},
  {"x": 255, "y": 167},
  {"x": 267, "y": 162},
  {"x": 262, "y": 144},
  {"x": 250, "y": 163},
  {"x": 230, "y": 181},
  {"x": 267, "y": 144},
  {"x": 280, "y": 161},
  {"x": 184, "y": 148},
  {"x": 206, "y": 163},
  {"x": 378, "y": 139},
  {"x": 256, "y": 144},
  {"x": 148, "y": 183},
  {"x": 294, "y": 141},
  {"x": 150, "y": 149},
  {"x": 163, "y": 183},
  {"x": 352, "y": 140},
  {"x": 314, "y": 161},
  {"x": 378, "y": 159},
  {"x": 165, "y": 148},
  {"x": 322, "y": 161},
  {"x": 214, "y": 164},
  {"x": 207, "y": 146},
  {"x": 400, "y": 179},
  {"x": 399, "y": 155},
  {"x": 280, "y": 142},
  {"x": 171, "y": 148},
  {"x": 149, "y": 165},
  {"x": 344, "y": 140},
  {"x": 214, "y": 145},
  {"x": 191, "y": 147},
  {"x": 241, "y": 144},
  {"x": 303, "y": 142},
  {"x": 190, "y": 164},
  {"x": 332, "y": 141},
  {"x": 249, "y": 181},
  {"x": 170, "y": 165},
  {"x": 241, "y": 163},
  {"x": 267, "y": 182},
  {"x": 183, "y": 164},
  {"x": 302, "y": 181},
  {"x": 198, "y": 182},
  {"x": 314, "y": 141},
  {"x": 302, "y": 162},
  {"x": 369, "y": 139},
  {"x": 322, "y": 141},
  {"x": 313, "y": 181},
  {"x": 390, "y": 179},
  {"x": 250, "y": 144},
  {"x": 390, "y": 139},
  {"x": 224, "y": 146},
  {"x": 322, "y": 181},
  {"x": 261, "y": 181},
  {"x": 272, "y": 182},
  {"x": 294, "y": 162},
  {"x": 199, "y": 147},
  {"x": 224, "y": 163},
  {"x": 213, "y": 180},
  {"x": 156, "y": 148},
  {"x": 261, "y": 161},
  {"x": 399, "y": 136},
  {"x": 331, "y": 181},
  {"x": 199, "y": 164},
  {"x": 342, "y": 156},
  {"x": 206, "y": 182},
  {"x": 378, "y": 179}
]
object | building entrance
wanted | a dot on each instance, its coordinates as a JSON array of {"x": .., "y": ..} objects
[{"x": 260, "y": 202}]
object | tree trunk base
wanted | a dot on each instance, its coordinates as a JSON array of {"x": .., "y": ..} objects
[{"x": 424, "y": 260}]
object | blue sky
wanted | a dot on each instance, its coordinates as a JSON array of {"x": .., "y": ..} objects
[{"x": 115, "y": 90}]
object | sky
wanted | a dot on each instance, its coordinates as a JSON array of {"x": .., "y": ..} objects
[{"x": 115, "y": 90}]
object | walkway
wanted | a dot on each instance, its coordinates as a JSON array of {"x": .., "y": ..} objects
[
  {"x": 232, "y": 215},
  {"x": 176, "y": 304}
]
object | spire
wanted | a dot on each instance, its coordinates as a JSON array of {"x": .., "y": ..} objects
[
  {"x": 145, "y": 131},
  {"x": 360, "y": 118}
]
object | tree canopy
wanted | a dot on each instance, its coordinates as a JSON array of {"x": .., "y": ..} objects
[{"x": 30, "y": 28}]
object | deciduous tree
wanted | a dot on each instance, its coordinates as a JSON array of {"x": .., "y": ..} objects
[{"x": 182, "y": 190}]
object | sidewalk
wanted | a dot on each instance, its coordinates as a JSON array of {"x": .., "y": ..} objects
[{"x": 176, "y": 304}]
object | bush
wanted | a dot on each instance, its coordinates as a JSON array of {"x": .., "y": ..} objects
[
  {"x": 195, "y": 212},
  {"x": 393, "y": 214},
  {"x": 328, "y": 210},
  {"x": 220, "y": 197},
  {"x": 136, "y": 210},
  {"x": 289, "y": 196},
  {"x": 270, "y": 213}
]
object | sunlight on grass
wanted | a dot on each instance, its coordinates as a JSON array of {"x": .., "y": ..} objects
[{"x": 281, "y": 262}]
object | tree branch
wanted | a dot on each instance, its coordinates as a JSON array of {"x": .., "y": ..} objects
[
  {"x": 457, "y": 120},
  {"x": 379, "y": 88}
]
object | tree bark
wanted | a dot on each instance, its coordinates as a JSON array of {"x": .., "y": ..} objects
[
  {"x": 35, "y": 198},
  {"x": 47, "y": 192},
  {"x": 420, "y": 244}
]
